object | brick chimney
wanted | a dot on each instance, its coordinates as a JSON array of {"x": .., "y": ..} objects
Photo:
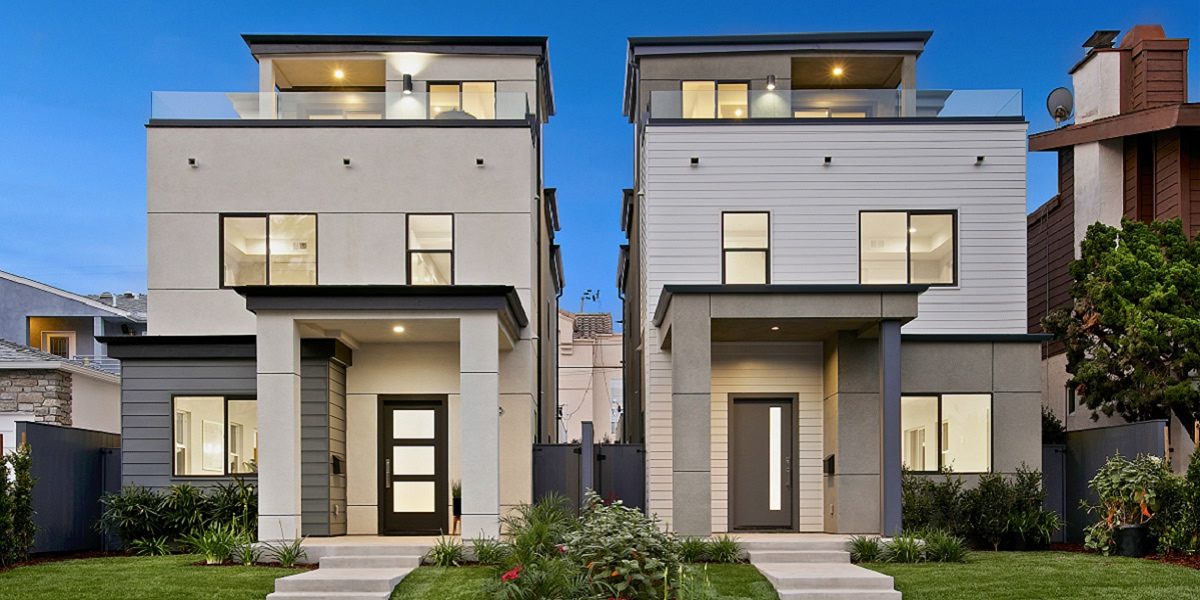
[{"x": 1157, "y": 72}]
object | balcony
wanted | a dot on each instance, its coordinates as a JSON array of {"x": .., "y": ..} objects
[
  {"x": 831, "y": 104},
  {"x": 338, "y": 106}
]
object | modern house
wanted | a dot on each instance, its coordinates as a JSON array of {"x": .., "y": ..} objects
[
  {"x": 825, "y": 280},
  {"x": 353, "y": 285},
  {"x": 1132, "y": 152},
  {"x": 590, "y": 387}
]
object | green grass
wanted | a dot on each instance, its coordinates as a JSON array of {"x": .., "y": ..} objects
[
  {"x": 1044, "y": 576},
  {"x": 731, "y": 582},
  {"x": 137, "y": 578}
]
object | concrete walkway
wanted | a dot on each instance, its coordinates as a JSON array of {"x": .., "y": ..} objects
[
  {"x": 353, "y": 568},
  {"x": 815, "y": 567}
]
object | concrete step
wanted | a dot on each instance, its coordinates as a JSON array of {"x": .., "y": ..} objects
[
  {"x": 329, "y": 595},
  {"x": 358, "y": 581},
  {"x": 315, "y": 552},
  {"x": 799, "y": 556},
  {"x": 815, "y": 544},
  {"x": 824, "y": 576},
  {"x": 370, "y": 562},
  {"x": 839, "y": 595}
]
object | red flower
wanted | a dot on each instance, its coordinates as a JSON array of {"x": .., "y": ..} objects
[{"x": 511, "y": 575}]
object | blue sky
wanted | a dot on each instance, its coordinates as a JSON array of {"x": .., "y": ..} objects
[{"x": 76, "y": 82}]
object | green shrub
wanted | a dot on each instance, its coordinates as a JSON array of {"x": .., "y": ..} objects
[
  {"x": 1053, "y": 430},
  {"x": 941, "y": 546},
  {"x": 1128, "y": 493},
  {"x": 490, "y": 552},
  {"x": 693, "y": 549},
  {"x": 445, "y": 553},
  {"x": 904, "y": 548},
  {"x": 865, "y": 549},
  {"x": 159, "y": 546},
  {"x": 1177, "y": 524},
  {"x": 933, "y": 503},
  {"x": 991, "y": 505},
  {"x": 724, "y": 549},
  {"x": 7, "y": 548},
  {"x": 138, "y": 513},
  {"x": 286, "y": 553},
  {"x": 625, "y": 553},
  {"x": 246, "y": 551},
  {"x": 185, "y": 511},
  {"x": 544, "y": 578},
  {"x": 216, "y": 544},
  {"x": 236, "y": 503},
  {"x": 537, "y": 529}
]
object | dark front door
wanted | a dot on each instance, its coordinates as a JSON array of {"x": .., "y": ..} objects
[
  {"x": 760, "y": 463},
  {"x": 412, "y": 465}
]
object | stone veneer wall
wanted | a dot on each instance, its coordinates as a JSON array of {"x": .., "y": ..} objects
[{"x": 46, "y": 394}]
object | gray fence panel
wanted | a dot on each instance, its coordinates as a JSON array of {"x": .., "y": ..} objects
[
  {"x": 556, "y": 471},
  {"x": 71, "y": 472},
  {"x": 1054, "y": 480},
  {"x": 1089, "y": 449},
  {"x": 621, "y": 473}
]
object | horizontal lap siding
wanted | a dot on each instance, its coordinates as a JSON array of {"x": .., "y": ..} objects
[{"x": 314, "y": 447}]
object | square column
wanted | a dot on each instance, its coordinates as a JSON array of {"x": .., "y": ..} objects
[
  {"x": 479, "y": 397},
  {"x": 889, "y": 425},
  {"x": 691, "y": 415},
  {"x": 278, "y": 376}
]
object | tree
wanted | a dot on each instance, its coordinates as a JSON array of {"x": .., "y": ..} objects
[{"x": 1132, "y": 333}]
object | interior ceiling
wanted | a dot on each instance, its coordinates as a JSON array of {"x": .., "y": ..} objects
[
  {"x": 380, "y": 331},
  {"x": 319, "y": 73},
  {"x": 859, "y": 72},
  {"x": 790, "y": 330}
]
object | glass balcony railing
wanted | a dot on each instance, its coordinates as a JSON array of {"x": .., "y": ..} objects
[
  {"x": 337, "y": 106},
  {"x": 834, "y": 104}
]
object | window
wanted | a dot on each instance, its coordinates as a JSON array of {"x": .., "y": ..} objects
[
  {"x": 899, "y": 247},
  {"x": 477, "y": 99},
  {"x": 215, "y": 436},
  {"x": 715, "y": 99},
  {"x": 745, "y": 247},
  {"x": 1072, "y": 401},
  {"x": 430, "y": 249},
  {"x": 59, "y": 343},
  {"x": 947, "y": 432},
  {"x": 269, "y": 250}
]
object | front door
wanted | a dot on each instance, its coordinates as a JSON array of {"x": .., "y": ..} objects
[
  {"x": 412, "y": 465},
  {"x": 760, "y": 463}
]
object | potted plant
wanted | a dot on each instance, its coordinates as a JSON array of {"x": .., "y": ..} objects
[{"x": 1128, "y": 494}]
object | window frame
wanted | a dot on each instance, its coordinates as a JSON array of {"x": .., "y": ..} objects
[
  {"x": 408, "y": 251},
  {"x": 1072, "y": 398},
  {"x": 717, "y": 98},
  {"x": 937, "y": 440},
  {"x": 459, "y": 83},
  {"x": 266, "y": 216},
  {"x": 47, "y": 334},
  {"x": 766, "y": 251},
  {"x": 908, "y": 242},
  {"x": 225, "y": 399}
]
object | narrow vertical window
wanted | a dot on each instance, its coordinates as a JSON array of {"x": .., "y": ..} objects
[
  {"x": 897, "y": 247},
  {"x": 776, "y": 459},
  {"x": 430, "y": 249},
  {"x": 269, "y": 250},
  {"x": 745, "y": 247},
  {"x": 931, "y": 248}
]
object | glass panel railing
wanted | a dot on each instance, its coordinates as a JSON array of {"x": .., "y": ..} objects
[
  {"x": 338, "y": 106},
  {"x": 836, "y": 104}
]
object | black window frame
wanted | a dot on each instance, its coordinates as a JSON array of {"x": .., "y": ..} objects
[
  {"x": 953, "y": 213},
  {"x": 717, "y": 97},
  {"x": 225, "y": 399},
  {"x": 459, "y": 83},
  {"x": 409, "y": 252},
  {"x": 938, "y": 429},
  {"x": 266, "y": 217},
  {"x": 766, "y": 250}
]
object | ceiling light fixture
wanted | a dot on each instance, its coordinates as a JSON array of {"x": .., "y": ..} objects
[
  {"x": 770, "y": 82},
  {"x": 774, "y": 328},
  {"x": 339, "y": 74},
  {"x": 398, "y": 329},
  {"x": 912, "y": 229},
  {"x": 838, "y": 71},
  {"x": 408, "y": 87}
]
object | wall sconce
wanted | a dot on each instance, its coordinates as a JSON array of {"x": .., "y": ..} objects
[
  {"x": 771, "y": 82},
  {"x": 479, "y": 162},
  {"x": 192, "y": 162},
  {"x": 345, "y": 162},
  {"x": 408, "y": 87},
  {"x": 978, "y": 160},
  {"x": 828, "y": 160},
  {"x": 695, "y": 161}
]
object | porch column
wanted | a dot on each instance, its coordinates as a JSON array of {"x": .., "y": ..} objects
[
  {"x": 278, "y": 374},
  {"x": 908, "y": 86},
  {"x": 479, "y": 397},
  {"x": 266, "y": 89},
  {"x": 889, "y": 422},
  {"x": 691, "y": 415}
]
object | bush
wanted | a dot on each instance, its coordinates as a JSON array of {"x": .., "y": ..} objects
[
  {"x": 1128, "y": 491},
  {"x": 538, "y": 529},
  {"x": 1053, "y": 430},
  {"x": 941, "y": 546},
  {"x": 991, "y": 503},
  {"x": 17, "y": 528},
  {"x": 865, "y": 549},
  {"x": 928, "y": 503},
  {"x": 625, "y": 553},
  {"x": 546, "y": 577},
  {"x": 1177, "y": 524},
  {"x": 724, "y": 549},
  {"x": 138, "y": 513},
  {"x": 904, "y": 548},
  {"x": 445, "y": 553},
  {"x": 490, "y": 552},
  {"x": 998, "y": 512},
  {"x": 693, "y": 549},
  {"x": 216, "y": 544}
]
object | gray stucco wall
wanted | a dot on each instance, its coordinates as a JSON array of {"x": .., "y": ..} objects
[{"x": 18, "y": 302}]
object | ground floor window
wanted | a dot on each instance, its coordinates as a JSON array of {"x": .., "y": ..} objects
[
  {"x": 947, "y": 432},
  {"x": 215, "y": 435}
]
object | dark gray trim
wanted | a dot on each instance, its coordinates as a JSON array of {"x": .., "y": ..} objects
[
  {"x": 908, "y": 231},
  {"x": 361, "y": 123},
  {"x": 829, "y": 121},
  {"x": 1025, "y": 338},
  {"x": 890, "y": 434},
  {"x": 386, "y": 297},
  {"x": 938, "y": 430},
  {"x": 215, "y": 346},
  {"x": 664, "y": 299},
  {"x": 784, "y": 38}
]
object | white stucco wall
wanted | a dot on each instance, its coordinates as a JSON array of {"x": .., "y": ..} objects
[
  {"x": 1097, "y": 86},
  {"x": 1099, "y": 186}
]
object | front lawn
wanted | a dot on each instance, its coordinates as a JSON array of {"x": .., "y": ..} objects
[
  {"x": 138, "y": 578},
  {"x": 731, "y": 582},
  {"x": 1043, "y": 576}
]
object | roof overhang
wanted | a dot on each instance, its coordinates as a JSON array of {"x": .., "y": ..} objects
[
  {"x": 89, "y": 302},
  {"x": 1118, "y": 126},
  {"x": 55, "y": 365},
  {"x": 135, "y": 347},
  {"x": 501, "y": 298}
]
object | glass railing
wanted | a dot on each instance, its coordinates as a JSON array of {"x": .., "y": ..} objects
[
  {"x": 338, "y": 105},
  {"x": 835, "y": 104}
]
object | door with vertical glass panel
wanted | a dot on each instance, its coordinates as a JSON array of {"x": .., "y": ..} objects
[
  {"x": 412, "y": 459},
  {"x": 760, "y": 463}
]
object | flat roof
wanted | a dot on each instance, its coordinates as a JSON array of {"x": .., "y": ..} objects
[{"x": 839, "y": 37}]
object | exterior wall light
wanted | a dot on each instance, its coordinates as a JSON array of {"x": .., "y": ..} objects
[
  {"x": 192, "y": 162},
  {"x": 479, "y": 161},
  {"x": 408, "y": 87},
  {"x": 695, "y": 161},
  {"x": 398, "y": 329},
  {"x": 771, "y": 82},
  {"x": 828, "y": 160},
  {"x": 345, "y": 162}
]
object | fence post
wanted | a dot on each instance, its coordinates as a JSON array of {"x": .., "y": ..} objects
[{"x": 587, "y": 461}]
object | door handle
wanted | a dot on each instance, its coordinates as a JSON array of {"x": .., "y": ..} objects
[
  {"x": 387, "y": 473},
  {"x": 788, "y": 470}
]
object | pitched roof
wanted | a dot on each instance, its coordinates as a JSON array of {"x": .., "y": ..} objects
[
  {"x": 87, "y": 300},
  {"x": 14, "y": 355},
  {"x": 130, "y": 302}
]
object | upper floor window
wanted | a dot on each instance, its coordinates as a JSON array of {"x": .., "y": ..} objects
[
  {"x": 269, "y": 250},
  {"x": 430, "y": 249},
  {"x": 947, "y": 432},
  {"x": 716, "y": 99},
  {"x": 745, "y": 247},
  {"x": 450, "y": 99},
  {"x": 898, "y": 247}
]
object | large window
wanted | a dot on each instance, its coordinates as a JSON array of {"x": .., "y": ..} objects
[
  {"x": 451, "y": 99},
  {"x": 899, "y": 247},
  {"x": 715, "y": 99},
  {"x": 430, "y": 249},
  {"x": 269, "y": 250},
  {"x": 947, "y": 432},
  {"x": 214, "y": 436},
  {"x": 745, "y": 247}
]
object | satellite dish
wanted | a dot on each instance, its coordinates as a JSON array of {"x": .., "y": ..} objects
[{"x": 1061, "y": 104}]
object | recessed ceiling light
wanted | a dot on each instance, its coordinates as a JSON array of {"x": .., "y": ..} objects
[
  {"x": 339, "y": 74},
  {"x": 912, "y": 229},
  {"x": 398, "y": 329},
  {"x": 774, "y": 328},
  {"x": 838, "y": 71}
]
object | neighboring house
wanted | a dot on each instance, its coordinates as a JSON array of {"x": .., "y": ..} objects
[
  {"x": 354, "y": 285},
  {"x": 825, "y": 280},
  {"x": 45, "y": 388},
  {"x": 590, "y": 387},
  {"x": 1133, "y": 152},
  {"x": 66, "y": 324}
]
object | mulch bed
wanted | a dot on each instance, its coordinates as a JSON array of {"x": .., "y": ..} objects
[{"x": 59, "y": 557}]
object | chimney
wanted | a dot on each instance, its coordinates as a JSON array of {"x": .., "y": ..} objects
[
  {"x": 1157, "y": 74},
  {"x": 107, "y": 298}
]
